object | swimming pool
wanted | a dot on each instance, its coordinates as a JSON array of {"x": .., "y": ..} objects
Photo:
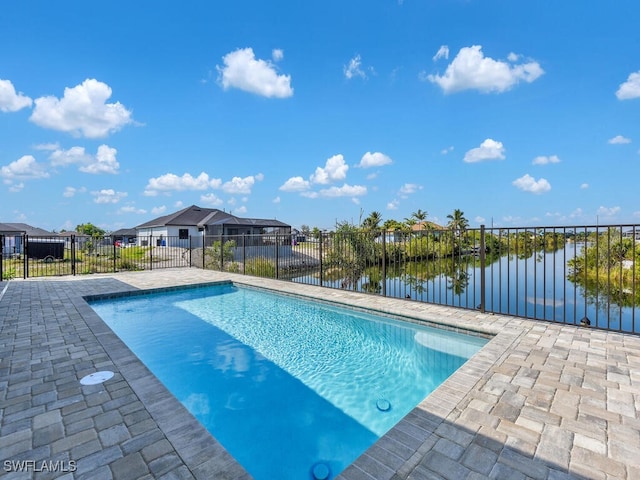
[{"x": 288, "y": 386}]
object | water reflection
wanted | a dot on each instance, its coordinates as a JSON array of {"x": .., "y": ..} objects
[{"x": 523, "y": 279}]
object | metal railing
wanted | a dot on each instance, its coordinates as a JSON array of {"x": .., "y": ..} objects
[{"x": 584, "y": 275}]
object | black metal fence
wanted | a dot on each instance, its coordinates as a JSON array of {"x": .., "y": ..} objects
[{"x": 584, "y": 275}]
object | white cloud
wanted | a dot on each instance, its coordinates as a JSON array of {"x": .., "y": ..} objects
[
  {"x": 444, "y": 151},
  {"x": 240, "y": 185},
  {"x": 584, "y": 186},
  {"x": 103, "y": 162},
  {"x": 409, "y": 188},
  {"x": 479, "y": 220},
  {"x": 619, "y": 140},
  {"x": 211, "y": 199},
  {"x": 132, "y": 209},
  {"x": 108, "y": 195},
  {"x": 375, "y": 159},
  {"x": 443, "y": 52},
  {"x": 544, "y": 160},
  {"x": 344, "y": 191},
  {"x": 295, "y": 184},
  {"x": 488, "y": 150},
  {"x": 277, "y": 54},
  {"x": 10, "y": 101},
  {"x": 529, "y": 184},
  {"x": 159, "y": 210},
  {"x": 607, "y": 211},
  {"x": 276, "y": 200},
  {"x": 47, "y": 146},
  {"x": 471, "y": 70},
  {"x": 631, "y": 88},
  {"x": 25, "y": 168},
  {"x": 353, "y": 69},
  {"x": 577, "y": 213},
  {"x": 335, "y": 169},
  {"x": 240, "y": 210},
  {"x": 172, "y": 182},
  {"x": 71, "y": 191},
  {"x": 241, "y": 70},
  {"x": 82, "y": 111},
  {"x": 393, "y": 204},
  {"x": 16, "y": 187},
  {"x": 63, "y": 158}
]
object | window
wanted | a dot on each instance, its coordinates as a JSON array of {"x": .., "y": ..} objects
[{"x": 183, "y": 233}]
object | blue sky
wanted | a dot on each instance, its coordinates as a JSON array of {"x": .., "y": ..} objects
[{"x": 517, "y": 113}]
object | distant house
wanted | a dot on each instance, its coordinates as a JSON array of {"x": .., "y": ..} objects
[
  {"x": 80, "y": 238},
  {"x": 424, "y": 225},
  {"x": 126, "y": 236},
  {"x": 632, "y": 233},
  {"x": 176, "y": 228},
  {"x": 13, "y": 235}
]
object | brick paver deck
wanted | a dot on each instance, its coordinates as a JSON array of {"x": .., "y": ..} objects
[{"x": 541, "y": 400}]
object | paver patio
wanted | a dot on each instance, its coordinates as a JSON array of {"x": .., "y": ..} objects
[{"x": 541, "y": 400}]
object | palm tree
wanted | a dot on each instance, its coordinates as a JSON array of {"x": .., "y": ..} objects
[
  {"x": 420, "y": 215},
  {"x": 392, "y": 224},
  {"x": 410, "y": 222},
  {"x": 457, "y": 221},
  {"x": 372, "y": 222}
]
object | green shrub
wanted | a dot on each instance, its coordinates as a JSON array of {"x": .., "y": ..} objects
[
  {"x": 260, "y": 267},
  {"x": 9, "y": 274}
]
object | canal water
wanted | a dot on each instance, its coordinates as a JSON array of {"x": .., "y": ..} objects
[{"x": 537, "y": 286}]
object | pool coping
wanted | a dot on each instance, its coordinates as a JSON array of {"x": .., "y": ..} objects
[{"x": 540, "y": 400}]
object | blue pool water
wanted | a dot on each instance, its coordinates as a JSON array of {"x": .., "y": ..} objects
[{"x": 285, "y": 384}]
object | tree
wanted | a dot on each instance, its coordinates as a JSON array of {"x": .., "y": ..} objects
[
  {"x": 457, "y": 221},
  {"x": 419, "y": 216},
  {"x": 372, "y": 222},
  {"x": 392, "y": 225},
  {"x": 90, "y": 229},
  {"x": 410, "y": 222}
]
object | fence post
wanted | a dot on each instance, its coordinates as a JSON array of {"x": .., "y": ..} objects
[
  {"x": 483, "y": 285},
  {"x": 1, "y": 255},
  {"x": 151, "y": 252},
  {"x": 25, "y": 256},
  {"x": 113, "y": 241},
  {"x": 204, "y": 239},
  {"x": 277, "y": 245},
  {"x": 384, "y": 263},
  {"x": 190, "y": 248},
  {"x": 73, "y": 254},
  {"x": 321, "y": 239}
]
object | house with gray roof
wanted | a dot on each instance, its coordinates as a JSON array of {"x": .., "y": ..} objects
[
  {"x": 13, "y": 235},
  {"x": 176, "y": 229},
  {"x": 126, "y": 236}
]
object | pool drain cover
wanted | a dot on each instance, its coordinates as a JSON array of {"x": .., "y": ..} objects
[
  {"x": 383, "y": 405},
  {"x": 96, "y": 377},
  {"x": 321, "y": 471}
]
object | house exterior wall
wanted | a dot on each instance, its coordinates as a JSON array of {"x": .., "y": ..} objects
[
  {"x": 12, "y": 245},
  {"x": 167, "y": 236}
]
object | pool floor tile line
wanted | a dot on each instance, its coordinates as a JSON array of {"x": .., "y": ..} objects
[{"x": 540, "y": 400}]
